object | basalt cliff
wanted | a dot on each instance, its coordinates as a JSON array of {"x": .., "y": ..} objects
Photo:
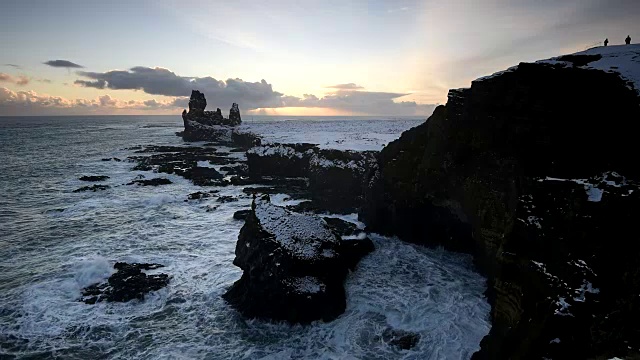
[{"x": 533, "y": 171}]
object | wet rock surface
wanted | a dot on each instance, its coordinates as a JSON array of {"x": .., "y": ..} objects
[
  {"x": 93, "y": 178},
  {"x": 93, "y": 188},
  {"x": 151, "y": 182},
  {"x": 127, "y": 283},
  {"x": 293, "y": 268},
  {"x": 508, "y": 172}
]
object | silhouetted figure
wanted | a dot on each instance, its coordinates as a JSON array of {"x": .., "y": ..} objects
[
  {"x": 627, "y": 40},
  {"x": 606, "y": 42}
]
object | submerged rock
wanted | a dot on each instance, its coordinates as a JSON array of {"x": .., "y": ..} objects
[
  {"x": 93, "y": 188},
  {"x": 127, "y": 283},
  {"x": 401, "y": 339},
  {"x": 94, "y": 178},
  {"x": 151, "y": 182},
  {"x": 293, "y": 266}
]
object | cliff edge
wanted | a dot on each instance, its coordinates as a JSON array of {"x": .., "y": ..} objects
[{"x": 533, "y": 170}]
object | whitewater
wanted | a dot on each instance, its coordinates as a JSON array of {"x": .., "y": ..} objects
[{"x": 54, "y": 242}]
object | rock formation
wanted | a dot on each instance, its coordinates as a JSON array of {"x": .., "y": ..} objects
[
  {"x": 201, "y": 125},
  {"x": 127, "y": 283},
  {"x": 336, "y": 177},
  {"x": 294, "y": 266},
  {"x": 533, "y": 170}
]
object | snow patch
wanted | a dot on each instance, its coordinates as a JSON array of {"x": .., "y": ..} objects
[{"x": 301, "y": 235}]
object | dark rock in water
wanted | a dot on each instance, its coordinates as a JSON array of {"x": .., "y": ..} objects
[
  {"x": 94, "y": 178},
  {"x": 151, "y": 182},
  {"x": 239, "y": 169},
  {"x": 304, "y": 207},
  {"x": 293, "y": 268},
  {"x": 509, "y": 171},
  {"x": 127, "y": 283},
  {"x": 92, "y": 188},
  {"x": 201, "y": 125},
  {"x": 241, "y": 214},
  {"x": 401, "y": 339},
  {"x": 287, "y": 160},
  {"x": 226, "y": 199},
  {"x": 109, "y": 159},
  {"x": 202, "y": 195}
]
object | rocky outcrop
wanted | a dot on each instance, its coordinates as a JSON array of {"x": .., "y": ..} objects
[
  {"x": 93, "y": 178},
  {"x": 337, "y": 179},
  {"x": 201, "y": 125},
  {"x": 293, "y": 266},
  {"x": 127, "y": 283},
  {"x": 286, "y": 160},
  {"x": 533, "y": 171},
  {"x": 93, "y": 188}
]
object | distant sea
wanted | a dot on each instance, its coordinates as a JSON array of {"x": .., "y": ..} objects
[{"x": 53, "y": 242}]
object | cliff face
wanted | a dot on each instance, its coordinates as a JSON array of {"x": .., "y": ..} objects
[{"x": 532, "y": 170}]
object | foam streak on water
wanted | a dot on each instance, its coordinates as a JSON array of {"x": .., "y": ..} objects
[{"x": 53, "y": 242}]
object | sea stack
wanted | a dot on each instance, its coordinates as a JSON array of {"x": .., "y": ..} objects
[
  {"x": 294, "y": 266},
  {"x": 201, "y": 125}
]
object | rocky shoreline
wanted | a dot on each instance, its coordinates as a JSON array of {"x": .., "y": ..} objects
[{"x": 511, "y": 170}]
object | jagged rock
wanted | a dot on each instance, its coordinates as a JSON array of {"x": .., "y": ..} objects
[
  {"x": 94, "y": 178},
  {"x": 226, "y": 199},
  {"x": 337, "y": 179},
  {"x": 151, "y": 182},
  {"x": 93, "y": 188},
  {"x": 127, "y": 283},
  {"x": 202, "y": 195},
  {"x": 286, "y": 160},
  {"x": 201, "y": 125},
  {"x": 293, "y": 267},
  {"x": 234, "y": 115},
  {"x": 511, "y": 172}
]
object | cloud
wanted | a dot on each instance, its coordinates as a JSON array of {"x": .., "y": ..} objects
[
  {"x": 47, "y": 81},
  {"x": 20, "y": 80},
  {"x": 63, "y": 64},
  {"x": 250, "y": 95},
  {"x": 32, "y": 103},
  {"x": 13, "y": 66},
  {"x": 349, "y": 86}
]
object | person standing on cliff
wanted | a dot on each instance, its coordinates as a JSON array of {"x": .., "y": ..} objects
[
  {"x": 628, "y": 40},
  {"x": 606, "y": 42}
]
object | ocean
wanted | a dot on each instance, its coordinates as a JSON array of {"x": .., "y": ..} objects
[{"x": 54, "y": 242}]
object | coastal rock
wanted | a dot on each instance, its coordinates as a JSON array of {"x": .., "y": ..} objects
[
  {"x": 94, "y": 178},
  {"x": 127, "y": 283},
  {"x": 285, "y": 160},
  {"x": 234, "y": 115},
  {"x": 292, "y": 266},
  {"x": 337, "y": 179},
  {"x": 510, "y": 172},
  {"x": 401, "y": 339},
  {"x": 151, "y": 182},
  {"x": 93, "y": 188},
  {"x": 241, "y": 214},
  {"x": 201, "y": 125}
]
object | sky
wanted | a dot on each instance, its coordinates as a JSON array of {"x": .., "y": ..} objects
[{"x": 298, "y": 57}]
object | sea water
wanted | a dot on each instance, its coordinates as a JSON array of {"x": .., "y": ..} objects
[{"x": 54, "y": 242}]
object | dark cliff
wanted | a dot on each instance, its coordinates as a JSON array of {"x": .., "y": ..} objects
[{"x": 533, "y": 171}]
